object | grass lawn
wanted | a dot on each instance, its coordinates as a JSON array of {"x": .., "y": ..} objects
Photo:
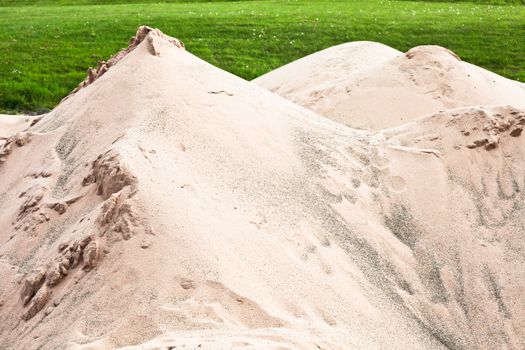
[{"x": 46, "y": 48}]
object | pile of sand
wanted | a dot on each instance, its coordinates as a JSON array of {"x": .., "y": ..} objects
[
  {"x": 169, "y": 204},
  {"x": 371, "y": 86},
  {"x": 13, "y": 124}
]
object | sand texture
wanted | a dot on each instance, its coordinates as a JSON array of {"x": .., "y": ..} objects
[
  {"x": 371, "y": 86},
  {"x": 167, "y": 204}
]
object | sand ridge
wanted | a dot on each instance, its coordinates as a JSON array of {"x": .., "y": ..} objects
[{"x": 169, "y": 203}]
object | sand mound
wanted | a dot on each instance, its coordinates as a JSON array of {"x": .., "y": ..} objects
[
  {"x": 144, "y": 33},
  {"x": 12, "y": 124},
  {"x": 304, "y": 77},
  {"x": 169, "y": 204},
  {"x": 388, "y": 88}
]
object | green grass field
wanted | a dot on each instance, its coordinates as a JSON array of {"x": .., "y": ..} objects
[{"x": 46, "y": 48}]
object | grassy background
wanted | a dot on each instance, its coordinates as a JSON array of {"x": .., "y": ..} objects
[{"x": 46, "y": 48}]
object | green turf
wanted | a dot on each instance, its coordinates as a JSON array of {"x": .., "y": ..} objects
[
  {"x": 97, "y": 2},
  {"x": 46, "y": 49}
]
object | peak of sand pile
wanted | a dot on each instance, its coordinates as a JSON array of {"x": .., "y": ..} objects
[
  {"x": 388, "y": 88},
  {"x": 311, "y": 72},
  {"x": 144, "y": 33},
  {"x": 169, "y": 204}
]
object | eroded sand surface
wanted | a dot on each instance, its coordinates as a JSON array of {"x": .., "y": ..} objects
[{"x": 169, "y": 204}]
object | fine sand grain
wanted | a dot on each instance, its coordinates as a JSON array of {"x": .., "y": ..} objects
[
  {"x": 12, "y": 124},
  {"x": 371, "y": 86},
  {"x": 167, "y": 204}
]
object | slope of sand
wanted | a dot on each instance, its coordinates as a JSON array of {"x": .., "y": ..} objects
[
  {"x": 304, "y": 77},
  {"x": 388, "y": 88},
  {"x": 169, "y": 204},
  {"x": 12, "y": 124}
]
